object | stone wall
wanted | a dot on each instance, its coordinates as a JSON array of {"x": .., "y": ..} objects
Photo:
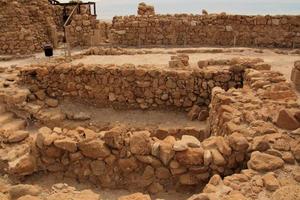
[
  {"x": 124, "y": 158},
  {"x": 86, "y": 30},
  {"x": 210, "y": 30},
  {"x": 265, "y": 105},
  {"x": 131, "y": 86},
  {"x": 26, "y": 25}
]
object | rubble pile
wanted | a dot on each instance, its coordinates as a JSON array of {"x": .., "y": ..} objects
[
  {"x": 144, "y": 9},
  {"x": 179, "y": 61},
  {"x": 206, "y": 30}
]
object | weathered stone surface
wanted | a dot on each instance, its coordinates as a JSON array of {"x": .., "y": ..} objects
[
  {"x": 140, "y": 143},
  {"x": 22, "y": 189},
  {"x": 271, "y": 182},
  {"x": 264, "y": 162},
  {"x": 94, "y": 149},
  {"x": 291, "y": 192},
  {"x": 238, "y": 142},
  {"x": 286, "y": 120},
  {"x": 66, "y": 144},
  {"x": 17, "y": 136},
  {"x": 191, "y": 156}
]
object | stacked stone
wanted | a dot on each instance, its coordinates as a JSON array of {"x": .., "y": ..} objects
[
  {"x": 144, "y": 9},
  {"x": 119, "y": 158},
  {"x": 211, "y": 30},
  {"x": 131, "y": 87},
  {"x": 295, "y": 77},
  {"x": 26, "y": 26},
  {"x": 179, "y": 61},
  {"x": 81, "y": 29}
]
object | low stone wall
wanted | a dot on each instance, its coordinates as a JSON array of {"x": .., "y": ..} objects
[
  {"x": 123, "y": 158},
  {"x": 130, "y": 86},
  {"x": 210, "y": 30}
]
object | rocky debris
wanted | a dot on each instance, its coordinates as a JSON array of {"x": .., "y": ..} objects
[
  {"x": 136, "y": 196},
  {"x": 144, "y": 9},
  {"x": 264, "y": 162},
  {"x": 179, "y": 61}
]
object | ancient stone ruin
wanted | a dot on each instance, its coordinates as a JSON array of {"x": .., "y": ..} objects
[{"x": 208, "y": 123}]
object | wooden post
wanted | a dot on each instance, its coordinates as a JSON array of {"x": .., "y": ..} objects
[{"x": 68, "y": 44}]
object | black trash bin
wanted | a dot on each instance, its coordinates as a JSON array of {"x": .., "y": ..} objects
[{"x": 48, "y": 49}]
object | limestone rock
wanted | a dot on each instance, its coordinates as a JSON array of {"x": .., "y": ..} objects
[
  {"x": 264, "y": 162},
  {"x": 238, "y": 142},
  {"x": 140, "y": 143},
  {"x": 20, "y": 190},
  {"x": 17, "y": 136},
  {"x": 191, "y": 156},
  {"x": 186, "y": 142},
  {"x": 270, "y": 182},
  {"x": 166, "y": 152},
  {"x": 51, "y": 102},
  {"x": 94, "y": 149},
  {"x": 286, "y": 120},
  {"x": 217, "y": 157},
  {"x": 24, "y": 165},
  {"x": 66, "y": 144}
]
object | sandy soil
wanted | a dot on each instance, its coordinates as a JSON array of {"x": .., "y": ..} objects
[
  {"x": 46, "y": 181},
  {"x": 279, "y": 62},
  {"x": 133, "y": 118}
]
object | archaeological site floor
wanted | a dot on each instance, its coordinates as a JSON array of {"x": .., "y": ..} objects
[{"x": 174, "y": 123}]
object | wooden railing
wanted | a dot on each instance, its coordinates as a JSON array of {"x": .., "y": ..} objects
[{"x": 90, "y": 4}]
